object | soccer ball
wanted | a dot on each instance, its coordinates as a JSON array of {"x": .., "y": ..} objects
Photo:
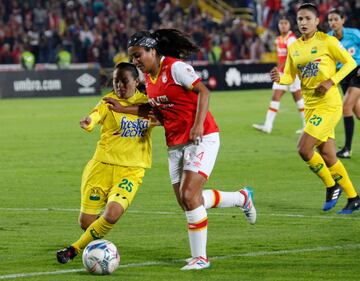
[{"x": 101, "y": 257}]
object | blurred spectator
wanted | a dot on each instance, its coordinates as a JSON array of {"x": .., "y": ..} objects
[
  {"x": 227, "y": 50},
  {"x": 63, "y": 58},
  {"x": 5, "y": 54},
  {"x": 27, "y": 60},
  {"x": 97, "y": 31}
]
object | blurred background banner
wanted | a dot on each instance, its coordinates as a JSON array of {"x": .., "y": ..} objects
[
  {"x": 49, "y": 83},
  {"x": 235, "y": 76}
]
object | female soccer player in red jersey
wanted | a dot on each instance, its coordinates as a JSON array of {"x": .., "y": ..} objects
[
  {"x": 283, "y": 41},
  {"x": 192, "y": 136},
  {"x": 313, "y": 58}
]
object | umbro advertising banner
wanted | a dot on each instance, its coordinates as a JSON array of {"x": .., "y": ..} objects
[
  {"x": 235, "y": 76},
  {"x": 49, "y": 83}
]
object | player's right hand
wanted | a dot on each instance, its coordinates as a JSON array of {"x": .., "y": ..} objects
[
  {"x": 85, "y": 122},
  {"x": 275, "y": 75}
]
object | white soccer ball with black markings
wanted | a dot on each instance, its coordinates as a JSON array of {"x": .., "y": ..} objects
[{"x": 101, "y": 257}]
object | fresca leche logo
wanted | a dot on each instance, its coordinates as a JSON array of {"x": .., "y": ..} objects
[
  {"x": 133, "y": 128},
  {"x": 309, "y": 70}
]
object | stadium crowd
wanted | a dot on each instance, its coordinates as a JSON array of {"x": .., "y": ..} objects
[{"x": 97, "y": 31}]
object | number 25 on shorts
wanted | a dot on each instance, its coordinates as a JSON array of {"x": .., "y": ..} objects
[
  {"x": 126, "y": 184},
  {"x": 315, "y": 120}
]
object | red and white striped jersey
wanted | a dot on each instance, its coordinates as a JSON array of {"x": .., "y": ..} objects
[
  {"x": 171, "y": 93},
  {"x": 282, "y": 44}
]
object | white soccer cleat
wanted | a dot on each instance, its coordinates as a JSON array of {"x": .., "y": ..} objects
[
  {"x": 248, "y": 208},
  {"x": 262, "y": 128},
  {"x": 197, "y": 264}
]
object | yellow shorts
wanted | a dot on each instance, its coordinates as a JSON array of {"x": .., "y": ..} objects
[
  {"x": 321, "y": 122},
  {"x": 102, "y": 183}
]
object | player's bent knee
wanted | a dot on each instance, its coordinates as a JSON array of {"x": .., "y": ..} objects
[
  {"x": 189, "y": 201},
  {"x": 304, "y": 153},
  {"x": 113, "y": 212},
  {"x": 85, "y": 222},
  {"x": 86, "y": 219}
]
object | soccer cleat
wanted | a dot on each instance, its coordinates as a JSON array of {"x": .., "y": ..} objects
[
  {"x": 197, "y": 263},
  {"x": 344, "y": 153},
  {"x": 332, "y": 196},
  {"x": 262, "y": 128},
  {"x": 65, "y": 255},
  {"x": 249, "y": 208},
  {"x": 351, "y": 206}
]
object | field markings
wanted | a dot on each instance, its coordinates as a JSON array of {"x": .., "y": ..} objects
[
  {"x": 157, "y": 263},
  {"x": 342, "y": 217}
]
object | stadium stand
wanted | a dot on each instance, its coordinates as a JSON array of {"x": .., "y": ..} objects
[{"x": 97, "y": 31}]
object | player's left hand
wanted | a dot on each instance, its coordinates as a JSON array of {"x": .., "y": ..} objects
[
  {"x": 196, "y": 134},
  {"x": 323, "y": 87},
  {"x": 114, "y": 104}
]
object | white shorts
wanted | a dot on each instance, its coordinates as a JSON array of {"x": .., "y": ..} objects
[
  {"x": 291, "y": 88},
  {"x": 190, "y": 157}
]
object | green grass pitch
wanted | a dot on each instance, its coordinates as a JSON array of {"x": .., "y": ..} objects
[{"x": 42, "y": 154}]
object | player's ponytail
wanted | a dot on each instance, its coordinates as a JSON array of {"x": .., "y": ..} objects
[
  {"x": 173, "y": 43},
  {"x": 167, "y": 42}
]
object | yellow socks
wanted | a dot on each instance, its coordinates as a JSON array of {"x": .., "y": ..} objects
[
  {"x": 339, "y": 174},
  {"x": 318, "y": 166},
  {"x": 97, "y": 230}
]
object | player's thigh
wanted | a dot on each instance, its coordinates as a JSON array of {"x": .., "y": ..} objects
[
  {"x": 278, "y": 91},
  {"x": 295, "y": 86},
  {"x": 357, "y": 109},
  {"x": 126, "y": 183},
  {"x": 350, "y": 100},
  {"x": 321, "y": 122},
  {"x": 175, "y": 161},
  {"x": 96, "y": 180},
  {"x": 201, "y": 158}
]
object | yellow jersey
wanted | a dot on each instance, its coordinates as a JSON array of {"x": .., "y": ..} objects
[
  {"x": 125, "y": 138},
  {"x": 314, "y": 61}
]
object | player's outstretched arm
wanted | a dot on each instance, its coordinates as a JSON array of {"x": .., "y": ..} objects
[{"x": 85, "y": 123}]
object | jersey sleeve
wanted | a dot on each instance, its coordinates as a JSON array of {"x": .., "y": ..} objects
[
  {"x": 291, "y": 40},
  {"x": 357, "y": 36},
  {"x": 338, "y": 52},
  {"x": 289, "y": 71},
  {"x": 184, "y": 74},
  {"x": 97, "y": 115}
]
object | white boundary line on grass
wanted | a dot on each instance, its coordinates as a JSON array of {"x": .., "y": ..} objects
[
  {"x": 335, "y": 216},
  {"x": 155, "y": 263}
]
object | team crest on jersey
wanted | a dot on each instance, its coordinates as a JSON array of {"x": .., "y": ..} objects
[
  {"x": 314, "y": 50},
  {"x": 309, "y": 70},
  {"x": 351, "y": 51},
  {"x": 94, "y": 194},
  {"x": 164, "y": 77}
]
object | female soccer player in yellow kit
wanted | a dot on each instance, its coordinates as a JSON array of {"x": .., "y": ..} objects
[
  {"x": 313, "y": 58},
  {"x": 112, "y": 177}
]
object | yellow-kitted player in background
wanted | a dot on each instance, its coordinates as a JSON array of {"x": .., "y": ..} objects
[
  {"x": 313, "y": 58},
  {"x": 112, "y": 177}
]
